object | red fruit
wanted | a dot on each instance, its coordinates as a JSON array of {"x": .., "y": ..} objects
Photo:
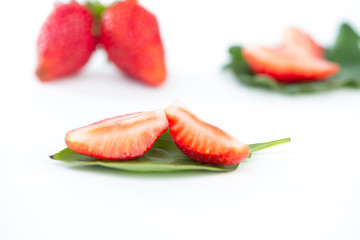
[
  {"x": 287, "y": 66},
  {"x": 300, "y": 43},
  {"x": 201, "y": 141},
  {"x": 119, "y": 138},
  {"x": 65, "y": 42},
  {"x": 131, "y": 37}
]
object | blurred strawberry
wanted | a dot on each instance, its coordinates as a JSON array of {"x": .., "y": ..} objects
[
  {"x": 288, "y": 66},
  {"x": 301, "y": 43},
  {"x": 298, "y": 59},
  {"x": 131, "y": 37},
  {"x": 65, "y": 42}
]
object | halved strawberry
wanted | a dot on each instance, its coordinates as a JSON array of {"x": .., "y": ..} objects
[
  {"x": 287, "y": 66},
  {"x": 200, "y": 140},
  {"x": 119, "y": 138},
  {"x": 299, "y": 42}
]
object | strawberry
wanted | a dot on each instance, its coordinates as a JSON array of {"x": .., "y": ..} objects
[
  {"x": 130, "y": 35},
  {"x": 65, "y": 42},
  {"x": 299, "y": 42},
  {"x": 287, "y": 66},
  {"x": 119, "y": 138},
  {"x": 200, "y": 140}
]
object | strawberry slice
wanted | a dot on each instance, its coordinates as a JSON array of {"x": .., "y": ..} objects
[
  {"x": 200, "y": 140},
  {"x": 300, "y": 43},
  {"x": 287, "y": 66},
  {"x": 119, "y": 138}
]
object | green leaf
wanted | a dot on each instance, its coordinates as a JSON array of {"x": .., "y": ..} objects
[
  {"x": 345, "y": 52},
  {"x": 255, "y": 147},
  {"x": 96, "y": 8},
  {"x": 164, "y": 156}
]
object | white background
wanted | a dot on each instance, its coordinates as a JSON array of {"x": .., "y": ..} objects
[{"x": 308, "y": 189}]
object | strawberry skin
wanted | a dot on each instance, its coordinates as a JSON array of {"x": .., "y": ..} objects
[
  {"x": 200, "y": 140},
  {"x": 131, "y": 37},
  {"x": 287, "y": 66},
  {"x": 65, "y": 42},
  {"x": 119, "y": 138},
  {"x": 299, "y": 42}
]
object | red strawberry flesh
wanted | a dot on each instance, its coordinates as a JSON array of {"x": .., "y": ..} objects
[
  {"x": 299, "y": 42},
  {"x": 119, "y": 138},
  {"x": 287, "y": 66},
  {"x": 202, "y": 141}
]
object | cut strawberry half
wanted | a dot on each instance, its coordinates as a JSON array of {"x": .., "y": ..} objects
[
  {"x": 119, "y": 138},
  {"x": 200, "y": 140},
  {"x": 300, "y": 43},
  {"x": 287, "y": 66}
]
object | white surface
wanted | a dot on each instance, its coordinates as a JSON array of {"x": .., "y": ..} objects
[{"x": 308, "y": 189}]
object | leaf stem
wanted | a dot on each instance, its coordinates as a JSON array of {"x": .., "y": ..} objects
[{"x": 260, "y": 146}]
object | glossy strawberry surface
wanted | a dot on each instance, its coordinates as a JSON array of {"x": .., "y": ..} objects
[
  {"x": 65, "y": 42},
  {"x": 131, "y": 37},
  {"x": 119, "y": 138},
  {"x": 202, "y": 141}
]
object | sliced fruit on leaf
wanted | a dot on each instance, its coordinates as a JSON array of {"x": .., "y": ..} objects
[
  {"x": 345, "y": 52},
  {"x": 300, "y": 43},
  {"x": 119, "y": 138},
  {"x": 164, "y": 156},
  {"x": 286, "y": 66},
  {"x": 202, "y": 141}
]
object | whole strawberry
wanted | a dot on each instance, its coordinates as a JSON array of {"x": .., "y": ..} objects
[
  {"x": 130, "y": 35},
  {"x": 65, "y": 42}
]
